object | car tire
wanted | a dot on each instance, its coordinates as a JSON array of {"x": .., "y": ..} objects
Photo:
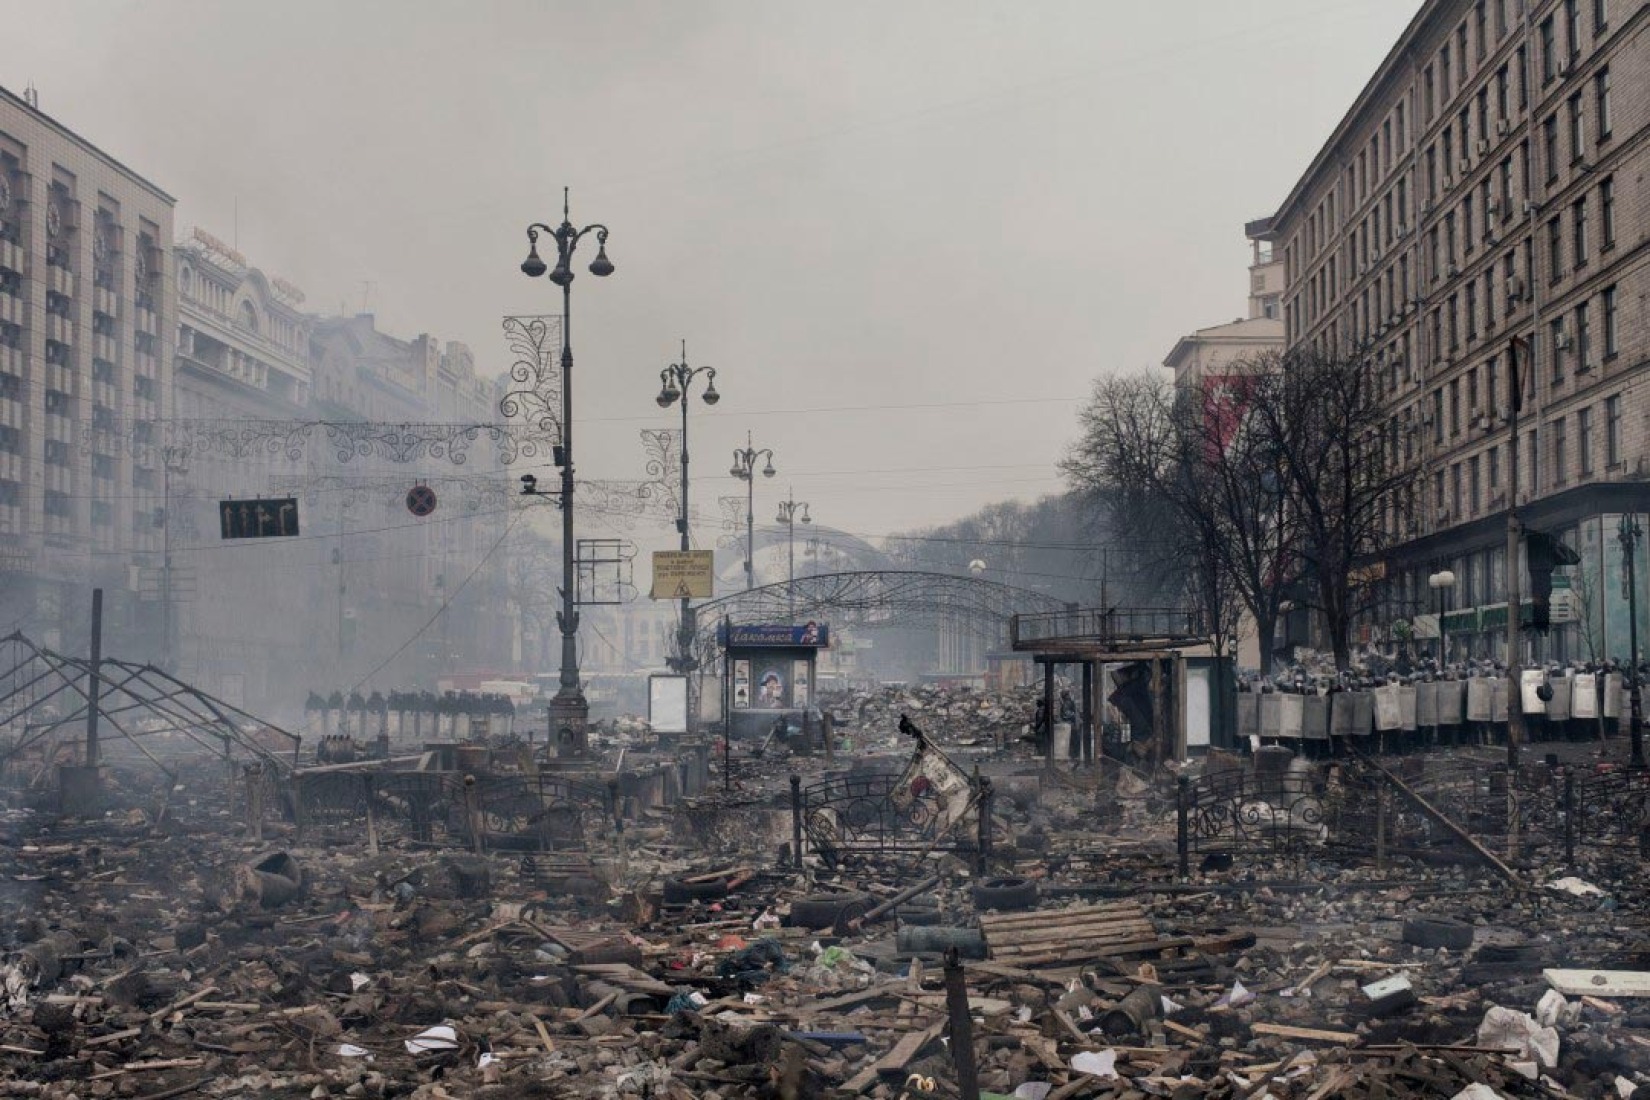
[
  {"x": 1435, "y": 932},
  {"x": 680, "y": 892},
  {"x": 1005, "y": 893},
  {"x": 828, "y": 910}
]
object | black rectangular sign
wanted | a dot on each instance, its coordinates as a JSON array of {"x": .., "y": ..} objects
[{"x": 258, "y": 519}]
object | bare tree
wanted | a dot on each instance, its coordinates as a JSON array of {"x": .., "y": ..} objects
[
  {"x": 1342, "y": 475},
  {"x": 1194, "y": 466}
]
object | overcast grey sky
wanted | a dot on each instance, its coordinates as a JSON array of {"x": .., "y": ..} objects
[{"x": 908, "y": 234}]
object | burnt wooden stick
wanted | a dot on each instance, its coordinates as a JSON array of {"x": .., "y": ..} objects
[
  {"x": 878, "y": 912},
  {"x": 962, "y": 1027}
]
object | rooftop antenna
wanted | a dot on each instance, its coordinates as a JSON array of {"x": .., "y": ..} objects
[
  {"x": 366, "y": 293},
  {"x": 31, "y": 96}
]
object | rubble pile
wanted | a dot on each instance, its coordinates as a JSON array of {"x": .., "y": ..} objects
[
  {"x": 158, "y": 952},
  {"x": 957, "y": 715}
]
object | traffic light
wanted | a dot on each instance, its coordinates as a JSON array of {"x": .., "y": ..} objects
[{"x": 1544, "y": 553}]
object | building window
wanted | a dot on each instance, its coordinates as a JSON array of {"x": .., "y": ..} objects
[
  {"x": 1555, "y": 330},
  {"x": 1584, "y": 441},
  {"x": 1601, "y": 103},
  {"x": 1455, "y": 489},
  {"x": 1607, "y": 212},
  {"x": 1578, "y": 232},
  {"x": 1473, "y": 499},
  {"x": 103, "y": 466},
  {"x": 1612, "y": 431},
  {"x": 1572, "y": 26},
  {"x": 1472, "y": 311},
  {"x": 1560, "y": 433},
  {"x": 1549, "y": 51},
  {"x": 101, "y": 513},
  {"x": 56, "y": 452},
  {"x": 1438, "y": 416},
  {"x": 1611, "y": 330},
  {"x": 1444, "y": 70},
  {"x": 1495, "y": 469},
  {"x": 1427, "y": 101},
  {"x": 1555, "y": 250},
  {"x": 1578, "y": 128},
  {"x": 1549, "y": 146},
  {"x": 56, "y": 503},
  {"x": 1481, "y": 26},
  {"x": 1584, "y": 337},
  {"x": 1455, "y": 407},
  {"x": 1601, "y": 16}
]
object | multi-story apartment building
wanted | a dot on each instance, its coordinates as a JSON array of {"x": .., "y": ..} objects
[
  {"x": 87, "y": 319},
  {"x": 1481, "y": 209}
]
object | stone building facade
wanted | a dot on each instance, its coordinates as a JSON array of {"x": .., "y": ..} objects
[
  {"x": 87, "y": 323},
  {"x": 1482, "y": 209}
]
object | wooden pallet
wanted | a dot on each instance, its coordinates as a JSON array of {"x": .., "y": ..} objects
[{"x": 1065, "y": 936}]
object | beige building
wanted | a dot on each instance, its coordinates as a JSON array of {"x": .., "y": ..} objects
[
  {"x": 1482, "y": 208},
  {"x": 86, "y": 335},
  {"x": 1214, "y": 351}
]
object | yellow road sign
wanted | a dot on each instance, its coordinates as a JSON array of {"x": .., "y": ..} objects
[{"x": 683, "y": 574}]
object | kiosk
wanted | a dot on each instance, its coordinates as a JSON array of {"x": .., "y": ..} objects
[{"x": 768, "y": 677}]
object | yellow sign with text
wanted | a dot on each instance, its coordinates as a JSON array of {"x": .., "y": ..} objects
[{"x": 683, "y": 574}]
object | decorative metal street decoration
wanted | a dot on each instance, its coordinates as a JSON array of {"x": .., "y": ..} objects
[
  {"x": 534, "y": 396},
  {"x": 472, "y": 493},
  {"x": 291, "y": 439},
  {"x": 662, "y": 446},
  {"x": 421, "y": 500},
  {"x": 258, "y": 519}
]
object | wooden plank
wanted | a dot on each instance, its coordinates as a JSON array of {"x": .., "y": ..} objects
[
  {"x": 1599, "y": 983},
  {"x": 1285, "y": 1031},
  {"x": 904, "y": 1051},
  {"x": 1043, "y": 918}
]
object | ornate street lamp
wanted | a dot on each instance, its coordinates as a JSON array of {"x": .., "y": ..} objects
[
  {"x": 569, "y": 710},
  {"x": 791, "y": 512},
  {"x": 744, "y": 468},
  {"x": 674, "y": 383},
  {"x": 1440, "y": 583}
]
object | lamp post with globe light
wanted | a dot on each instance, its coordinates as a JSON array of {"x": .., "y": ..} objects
[
  {"x": 674, "y": 383},
  {"x": 569, "y": 710},
  {"x": 792, "y": 511},
  {"x": 744, "y": 468}
]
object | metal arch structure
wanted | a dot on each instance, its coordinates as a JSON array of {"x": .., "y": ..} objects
[{"x": 877, "y": 599}]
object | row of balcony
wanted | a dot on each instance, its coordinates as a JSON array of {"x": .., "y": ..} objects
[
  {"x": 11, "y": 519},
  {"x": 11, "y": 414},
  {"x": 11, "y": 309},
  {"x": 58, "y": 478},
  {"x": 11, "y": 257},
  {"x": 11, "y": 359},
  {"x": 105, "y": 301},
  {"x": 59, "y": 328},
  {"x": 147, "y": 321},
  {"x": 106, "y": 347},
  {"x": 11, "y": 466},
  {"x": 58, "y": 429},
  {"x": 62, "y": 280}
]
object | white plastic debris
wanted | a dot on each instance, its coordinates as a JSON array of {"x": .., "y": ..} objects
[
  {"x": 1101, "y": 1063},
  {"x": 1624, "y": 1088},
  {"x": 1236, "y": 997},
  {"x": 1033, "y": 1090},
  {"x": 1553, "y": 1010},
  {"x": 1477, "y": 1091},
  {"x": 766, "y": 921},
  {"x": 350, "y": 1050},
  {"x": 358, "y": 981},
  {"x": 432, "y": 1039},
  {"x": 1575, "y": 887},
  {"x": 1170, "y": 1007},
  {"x": 487, "y": 1058},
  {"x": 1508, "y": 1029}
]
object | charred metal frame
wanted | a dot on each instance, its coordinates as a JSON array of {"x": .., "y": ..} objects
[{"x": 862, "y": 816}]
